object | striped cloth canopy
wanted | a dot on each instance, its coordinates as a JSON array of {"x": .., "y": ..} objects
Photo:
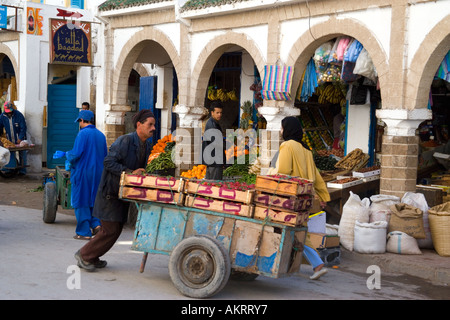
[{"x": 277, "y": 82}]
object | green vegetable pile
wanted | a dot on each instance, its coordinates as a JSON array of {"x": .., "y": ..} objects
[
  {"x": 164, "y": 160},
  {"x": 325, "y": 163}
]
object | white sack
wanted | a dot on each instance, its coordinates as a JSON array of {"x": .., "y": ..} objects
[
  {"x": 380, "y": 207},
  {"x": 354, "y": 210},
  {"x": 4, "y": 157},
  {"x": 370, "y": 237},
  {"x": 402, "y": 243}
]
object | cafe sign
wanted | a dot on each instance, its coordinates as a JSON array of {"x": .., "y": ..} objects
[{"x": 70, "y": 42}]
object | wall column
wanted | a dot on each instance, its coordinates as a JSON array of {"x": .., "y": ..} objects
[{"x": 400, "y": 150}]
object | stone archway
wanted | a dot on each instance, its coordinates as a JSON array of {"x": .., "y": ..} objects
[
  {"x": 209, "y": 56},
  {"x": 4, "y": 49},
  {"x": 304, "y": 48},
  {"x": 425, "y": 63},
  {"x": 128, "y": 56}
]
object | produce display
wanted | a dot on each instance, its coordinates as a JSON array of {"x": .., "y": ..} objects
[
  {"x": 325, "y": 153},
  {"x": 6, "y": 143},
  {"x": 330, "y": 93},
  {"x": 228, "y": 185},
  {"x": 161, "y": 144},
  {"x": 345, "y": 180},
  {"x": 316, "y": 125},
  {"x": 236, "y": 170},
  {"x": 246, "y": 116},
  {"x": 325, "y": 162},
  {"x": 351, "y": 160},
  {"x": 197, "y": 172},
  {"x": 160, "y": 158},
  {"x": 221, "y": 94}
]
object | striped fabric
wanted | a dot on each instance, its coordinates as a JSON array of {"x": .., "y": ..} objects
[{"x": 277, "y": 82}]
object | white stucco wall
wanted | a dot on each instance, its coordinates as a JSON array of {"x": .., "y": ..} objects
[
  {"x": 32, "y": 54},
  {"x": 422, "y": 18}
]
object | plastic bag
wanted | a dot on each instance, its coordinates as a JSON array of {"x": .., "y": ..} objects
[
  {"x": 400, "y": 242},
  {"x": 370, "y": 237},
  {"x": 364, "y": 66},
  {"x": 322, "y": 53},
  {"x": 418, "y": 200},
  {"x": 354, "y": 210}
]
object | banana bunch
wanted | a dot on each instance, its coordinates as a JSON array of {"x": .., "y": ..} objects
[
  {"x": 222, "y": 95},
  {"x": 212, "y": 93},
  {"x": 232, "y": 95},
  {"x": 255, "y": 168},
  {"x": 351, "y": 160},
  {"x": 330, "y": 94}
]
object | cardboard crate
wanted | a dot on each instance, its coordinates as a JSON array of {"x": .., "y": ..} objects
[
  {"x": 147, "y": 194},
  {"x": 290, "y": 218},
  {"x": 321, "y": 240},
  {"x": 285, "y": 187},
  {"x": 194, "y": 187},
  {"x": 300, "y": 203},
  {"x": 150, "y": 181},
  {"x": 235, "y": 208}
]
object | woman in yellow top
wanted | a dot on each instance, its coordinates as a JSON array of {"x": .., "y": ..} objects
[{"x": 296, "y": 159}]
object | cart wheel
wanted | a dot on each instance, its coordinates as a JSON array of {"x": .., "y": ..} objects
[
  {"x": 243, "y": 276},
  {"x": 50, "y": 202},
  {"x": 199, "y": 266}
]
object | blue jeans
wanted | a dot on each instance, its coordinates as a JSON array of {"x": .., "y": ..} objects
[
  {"x": 312, "y": 256},
  {"x": 23, "y": 161},
  {"x": 85, "y": 221}
]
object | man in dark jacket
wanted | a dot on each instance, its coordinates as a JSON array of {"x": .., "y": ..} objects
[
  {"x": 16, "y": 131},
  {"x": 212, "y": 142},
  {"x": 128, "y": 153}
]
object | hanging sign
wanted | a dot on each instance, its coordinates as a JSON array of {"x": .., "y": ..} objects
[
  {"x": 70, "y": 42},
  {"x": 34, "y": 21},
  {"x": 3, "y": 19}
]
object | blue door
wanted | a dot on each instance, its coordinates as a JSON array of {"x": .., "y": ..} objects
[
  {"x": 61, "y": 127},
  {"x": 147, "y": 100}
]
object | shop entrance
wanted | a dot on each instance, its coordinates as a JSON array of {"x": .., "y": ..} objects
[
  {"x": 61, "y": 126},
  {"x": 147, "y": 100}
]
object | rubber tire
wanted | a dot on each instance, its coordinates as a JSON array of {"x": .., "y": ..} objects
[
  {"x": 188, "y": 250},
  {"x": 50, "y": 203}
]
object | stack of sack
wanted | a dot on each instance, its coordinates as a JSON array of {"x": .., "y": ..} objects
[{"x": 388, "y": 223}]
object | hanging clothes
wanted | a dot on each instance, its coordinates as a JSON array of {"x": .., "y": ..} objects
[
  {"x": 443, "y": 72},
  {"x": 309, "y": 82}
]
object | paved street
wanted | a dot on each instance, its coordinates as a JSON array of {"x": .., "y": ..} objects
[{"x": 38, "y": 263}]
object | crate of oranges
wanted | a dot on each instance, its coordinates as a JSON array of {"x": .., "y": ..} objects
[{"x": 197, "y": 172}]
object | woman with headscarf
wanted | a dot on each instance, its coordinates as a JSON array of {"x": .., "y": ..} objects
[{"x": 296, "y": 159}]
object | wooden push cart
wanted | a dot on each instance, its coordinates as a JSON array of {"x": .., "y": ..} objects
[{"x": 205, "y": 247}]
